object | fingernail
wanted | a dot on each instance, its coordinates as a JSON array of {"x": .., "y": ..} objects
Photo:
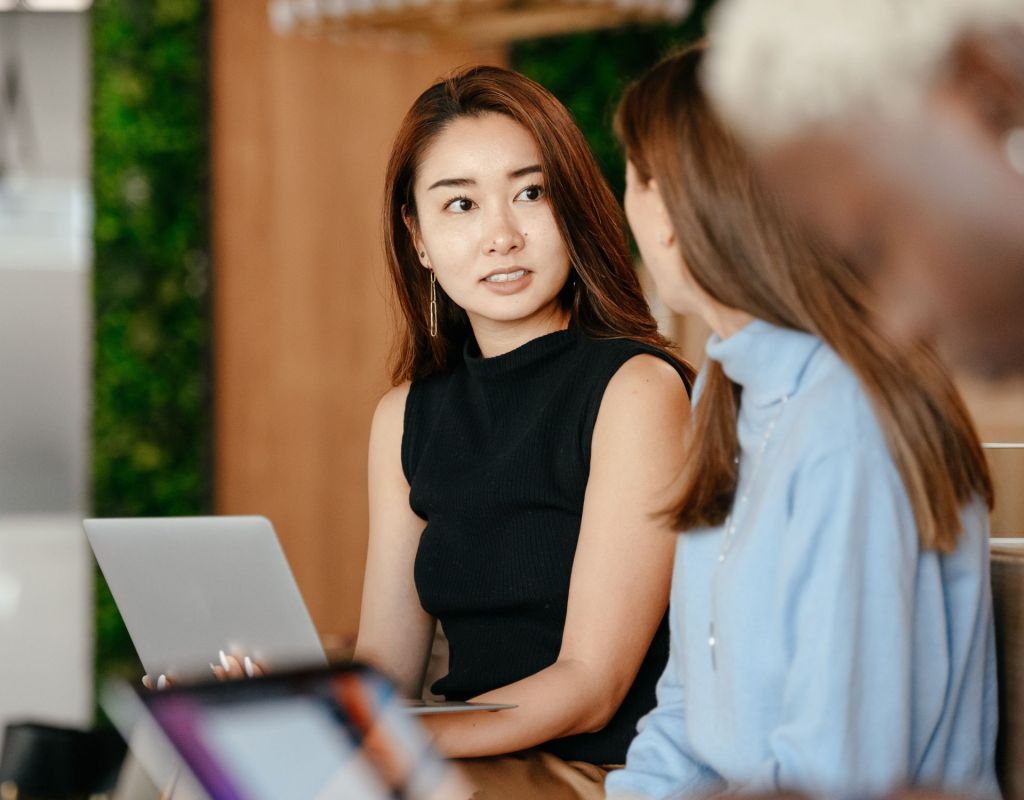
[
  {"x": 213, "y": 669},
  {"x": 224, "y": 661},
  {"x": 250, "y": 670},
  {"x": 161, "y": 682},
  {"x": 147, "y": 682}
]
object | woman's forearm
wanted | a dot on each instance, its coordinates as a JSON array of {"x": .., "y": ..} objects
[{"x": 561, "y": 700}]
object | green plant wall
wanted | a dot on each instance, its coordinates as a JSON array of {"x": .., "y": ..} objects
[{"x": 151, "y": 442}]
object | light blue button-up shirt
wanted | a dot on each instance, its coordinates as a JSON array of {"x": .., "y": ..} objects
[{"x": 846, "y": 660}]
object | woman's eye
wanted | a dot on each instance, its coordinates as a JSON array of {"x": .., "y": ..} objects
[
  {"x": 459, "y": 205},
  {"x": 531, "y": 193}
]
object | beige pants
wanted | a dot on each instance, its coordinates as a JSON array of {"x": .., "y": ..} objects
[{"x": 533, "y": 774}]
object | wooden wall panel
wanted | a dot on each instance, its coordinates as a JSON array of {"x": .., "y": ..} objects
[
  {"x": 998, "y": 411},
  {"x": 302, "y": 130}
]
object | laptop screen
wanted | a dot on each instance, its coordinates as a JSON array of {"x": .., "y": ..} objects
[{"x": 341, "y": 732}]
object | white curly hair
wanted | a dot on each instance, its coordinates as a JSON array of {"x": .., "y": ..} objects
[{"x": 777, "y": 67}]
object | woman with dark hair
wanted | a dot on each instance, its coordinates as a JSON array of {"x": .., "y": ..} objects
[
  {"x": 517, "y": 464},
  {"x": 831, "y": 623}
]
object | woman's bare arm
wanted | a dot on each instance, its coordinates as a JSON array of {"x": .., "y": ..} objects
[{"x": 395, "y": 632}]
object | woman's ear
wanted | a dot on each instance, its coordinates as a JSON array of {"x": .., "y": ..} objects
[
  {"x": 414, "y": 233},
  {"x": 666, "y": 231}
]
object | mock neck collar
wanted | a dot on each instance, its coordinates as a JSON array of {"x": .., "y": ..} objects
[
  {"x": 766, "y": 360},
  {"x": 533, "y": 352}
]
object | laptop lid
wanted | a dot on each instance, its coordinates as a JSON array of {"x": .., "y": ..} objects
[{"x": 188, "y": 587}]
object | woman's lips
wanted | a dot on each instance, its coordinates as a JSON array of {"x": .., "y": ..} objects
[
  {"x": 504, "y": 277},
  {"x": 508, "y": 281}
]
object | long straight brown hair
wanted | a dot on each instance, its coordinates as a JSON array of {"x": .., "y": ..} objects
[
  {"x": 745, "y": 251},
  {"x": 603, "y": 293}
]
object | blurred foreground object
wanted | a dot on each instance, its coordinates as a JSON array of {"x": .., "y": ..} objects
[
  {"x": 897, "y": 129},
  {"x": 44, "y": 761},
  {"x": 339, "y": 732},
  {"x": 463, "y": 22}
]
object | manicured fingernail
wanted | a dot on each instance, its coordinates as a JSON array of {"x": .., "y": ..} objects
[
  {"x": 224, "y": 661},
  {"x": 250, "y": 670},
  {"x": 213, "y": 669},
  {"x": 161, "y": 682},
  {"x": 147, "y": 682}
]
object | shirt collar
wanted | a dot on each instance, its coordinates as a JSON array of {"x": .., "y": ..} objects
[{"x": 766, "y": 360}]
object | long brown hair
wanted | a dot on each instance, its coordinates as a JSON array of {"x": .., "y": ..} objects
[
  {"x": 745, "y": 251},
  {"x": 603, "y": 293}
]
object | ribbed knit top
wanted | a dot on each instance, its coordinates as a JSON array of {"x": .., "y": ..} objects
[{"x": 497, "y": 455}]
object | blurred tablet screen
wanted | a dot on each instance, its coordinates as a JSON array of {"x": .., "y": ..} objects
[{"x": 340, "y": 732}]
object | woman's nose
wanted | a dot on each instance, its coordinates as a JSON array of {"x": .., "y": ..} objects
[{"x": 502, "y": 235}]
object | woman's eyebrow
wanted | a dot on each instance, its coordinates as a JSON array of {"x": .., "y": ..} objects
[
  {"x": 452, "y": 182},
  {"x": 516, "y": 173}
]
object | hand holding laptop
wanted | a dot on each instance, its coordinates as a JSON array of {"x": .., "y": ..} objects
[
  {"x": 230, "y": 668},
  {"x": 233, "y": 667}
]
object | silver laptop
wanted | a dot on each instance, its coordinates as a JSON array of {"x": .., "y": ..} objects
[{"x": 189, "y": 587}]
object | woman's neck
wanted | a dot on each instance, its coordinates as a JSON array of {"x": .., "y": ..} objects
[
  {"x": 497, "y": 337},
  {"x": 723, "y": 320}
]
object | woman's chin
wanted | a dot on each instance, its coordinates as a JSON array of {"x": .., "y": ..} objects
[
  {"x": 506, "y": 316},
  {"x": 513, "y": 308}
]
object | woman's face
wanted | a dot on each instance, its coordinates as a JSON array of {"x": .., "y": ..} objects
[
  {"x": 659, "y": 248},
  {"x": 655, "y": 237},
  {"x": 484, "y": 223}
]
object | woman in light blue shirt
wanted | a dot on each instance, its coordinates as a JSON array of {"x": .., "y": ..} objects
[{"x": 831, "y": 615}]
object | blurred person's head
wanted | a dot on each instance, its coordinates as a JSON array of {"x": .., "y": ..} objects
[
  {"x": 720, "y": 243},
  {"x": 898, "y": 129},
  {"x": 492, "y": 190}
]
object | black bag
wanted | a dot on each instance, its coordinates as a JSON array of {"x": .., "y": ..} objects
[{"x": 45, "y": 762}]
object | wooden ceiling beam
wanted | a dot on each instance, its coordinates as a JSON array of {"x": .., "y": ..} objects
[{"x": 484, "y": 22}]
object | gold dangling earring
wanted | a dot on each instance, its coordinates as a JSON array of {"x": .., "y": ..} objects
[{"x": 433, "y": 305}]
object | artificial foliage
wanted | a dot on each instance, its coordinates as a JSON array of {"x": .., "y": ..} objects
[{"x": 151, "y": 435}]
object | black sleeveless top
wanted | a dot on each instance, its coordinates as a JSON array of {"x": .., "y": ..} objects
[{"x": 497, "y": 455}]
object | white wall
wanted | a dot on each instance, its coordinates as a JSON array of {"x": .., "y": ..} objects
[
  {"x": 44, "y": 259},
  {"x": 45, "y": 620},
  {"x": 54, "y": 52},
  {"x": 46, "y": 601}
]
